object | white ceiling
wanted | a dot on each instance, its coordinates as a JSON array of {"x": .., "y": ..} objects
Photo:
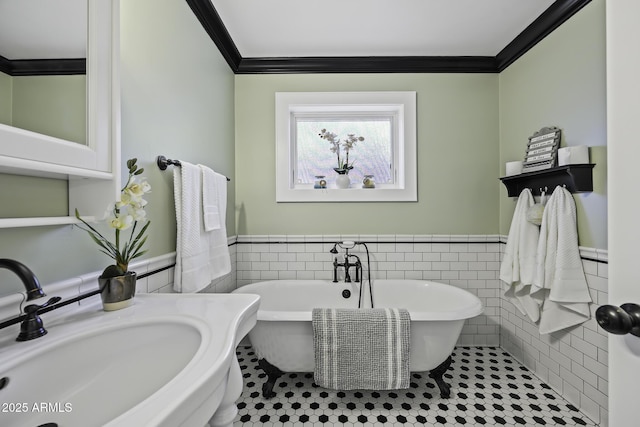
[
  {"x": 297, "y": 28},
  {"x": 43, "y": 29}
]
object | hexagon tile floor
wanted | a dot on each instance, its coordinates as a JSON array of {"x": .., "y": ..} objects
[{"x": 488, "y": 388}]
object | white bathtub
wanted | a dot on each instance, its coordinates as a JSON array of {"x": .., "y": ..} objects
[{"x": 283, "y": 335}]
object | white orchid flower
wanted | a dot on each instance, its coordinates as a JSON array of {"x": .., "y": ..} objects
[
  {"x": 347, "y": 145},
  {"x": 124, "y": 201},
  {"x": 139, "y": 215},
  {"x": 121, "y": 222},
  {"x": 146, "y": 187},
  {"x": 138, "y": 204},
  {"x": 136, "y": 190}
]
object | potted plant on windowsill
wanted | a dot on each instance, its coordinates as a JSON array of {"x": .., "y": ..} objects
[
  {"x": 116, "y": 283},
  {"x": 342, "y": 181}
]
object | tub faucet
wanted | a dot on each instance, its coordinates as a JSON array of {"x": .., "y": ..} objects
[
  {"x": 29, "y": 280},
  {"x": 357, "y": 265},
  {"x": 347, "y": 265}
]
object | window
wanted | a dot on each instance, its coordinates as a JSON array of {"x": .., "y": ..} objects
[{"x": 385, "y": 120}]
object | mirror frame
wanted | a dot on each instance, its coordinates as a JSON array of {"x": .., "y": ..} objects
[{"x": 92, "y": 170}]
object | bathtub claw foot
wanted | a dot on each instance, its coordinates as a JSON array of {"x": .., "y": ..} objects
[
  {"x": 273, "y": 373},
  {"x": 437, "y": 374},
  {"x": 267, "y": 390}
]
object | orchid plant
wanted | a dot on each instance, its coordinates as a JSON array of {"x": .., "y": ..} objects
[
  {"x": 127, "y": 213},
  {"x": 343, "y": 163}
]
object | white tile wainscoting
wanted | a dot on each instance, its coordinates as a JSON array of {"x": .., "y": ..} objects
[
  {"x": 573, "y": 362},
  {"x": 155, "y": 275},
  {"x": 468, "y": 262}
]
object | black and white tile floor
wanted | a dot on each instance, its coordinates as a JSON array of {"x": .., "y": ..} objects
[{"x": 488, "y": 388}]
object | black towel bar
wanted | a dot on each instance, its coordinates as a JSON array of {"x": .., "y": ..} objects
[{"x": 163, "y": 163}]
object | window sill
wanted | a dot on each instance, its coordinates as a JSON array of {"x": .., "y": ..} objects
[{"x": 353, "y": 194}]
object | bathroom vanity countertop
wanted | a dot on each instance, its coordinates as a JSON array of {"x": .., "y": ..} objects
[{"x": 214, "y": 324}]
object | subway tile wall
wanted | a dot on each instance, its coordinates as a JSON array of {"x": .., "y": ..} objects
[
  {"x": 162, "y": 281},
  {"x": 468, "y": 262},
  {"x": 572, "y": 361}
]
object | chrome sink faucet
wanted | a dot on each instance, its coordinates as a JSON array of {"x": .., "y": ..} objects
[{"x": 31, "y": 326}]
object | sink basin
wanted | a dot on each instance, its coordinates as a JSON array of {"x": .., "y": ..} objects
[
  {"x": 106, "y": 363},
  {"x": 140, "y": 366}
]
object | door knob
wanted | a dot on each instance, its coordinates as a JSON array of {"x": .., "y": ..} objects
[{"x": 619, "y": 320}]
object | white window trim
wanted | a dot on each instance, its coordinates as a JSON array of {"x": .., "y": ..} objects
[{"x": 405, "y": 189}]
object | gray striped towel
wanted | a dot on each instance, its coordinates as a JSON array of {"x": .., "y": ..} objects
[{"x": 361, "y": 348}]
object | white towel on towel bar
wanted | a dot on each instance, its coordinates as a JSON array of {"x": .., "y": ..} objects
[
  {"x": 560, "y": 285},
  {"x": 212, "y": 184},
  {"x": 519, "y": 261},
  {"x": 201, "y": 256}
]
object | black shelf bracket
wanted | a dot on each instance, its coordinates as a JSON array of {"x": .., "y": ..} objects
[{"x": 576, "y": 178}]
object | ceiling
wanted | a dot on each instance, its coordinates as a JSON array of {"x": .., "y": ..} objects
[
  {"x": 290, "y": 28},
  {"x": 279, "y": 36},
  {"x": 43, "y": 29},
  {"x": 329, "y": 36}
]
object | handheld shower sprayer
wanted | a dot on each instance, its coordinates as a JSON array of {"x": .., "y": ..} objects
[{"x": 347, "y": 244}]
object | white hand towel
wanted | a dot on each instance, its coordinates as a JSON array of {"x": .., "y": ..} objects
[
  {"x": 519, "y": 260},
  {"x": 560, "y": 284},
  {"x": 219, "y": 258},
  {"x": 212, "y": 182},
  {"x": 200, "y": 256}
]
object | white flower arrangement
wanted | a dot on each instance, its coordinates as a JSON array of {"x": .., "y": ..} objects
[
  {"x": 343, "y": 164},
  {"x": 125, "y": 214}
]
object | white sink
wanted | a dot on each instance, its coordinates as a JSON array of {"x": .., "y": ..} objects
[{"x": 164, "y": 361}]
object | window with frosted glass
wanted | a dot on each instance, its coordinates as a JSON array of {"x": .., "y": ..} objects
[
  {"x": 386, "y": 121},
  {"x": 373, "y": 156}
]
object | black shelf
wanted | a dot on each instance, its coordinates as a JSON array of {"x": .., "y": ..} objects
[{"x": 576, "y": 178}]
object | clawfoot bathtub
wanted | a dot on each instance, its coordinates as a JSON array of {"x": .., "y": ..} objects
[{"x": 283, "y": 335}]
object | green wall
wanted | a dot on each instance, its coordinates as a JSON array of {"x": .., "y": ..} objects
[
  {"x": 457, "y": 158},
  {"x": 177, "y": 100},
  {"x": 179, "y": 96},
  {"x": 36, "y": 197},
  {"x": 54, "y": 106},
  {"x": 561, "y": 82},
  {"x": 5, "y": 99},
  {"x": 468, "y": 127},
  {"x": 51, "y": 105}
]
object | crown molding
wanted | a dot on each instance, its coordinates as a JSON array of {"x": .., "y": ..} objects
[
  {"x": 544, "y": 25},
  {"x": 5, "y": 65},
  {"x": 549, "y": 20},
  {"x": 213, "y": 25},
  {"x": 43, "y": 67},
  {"x": 369, "y": 64}
]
